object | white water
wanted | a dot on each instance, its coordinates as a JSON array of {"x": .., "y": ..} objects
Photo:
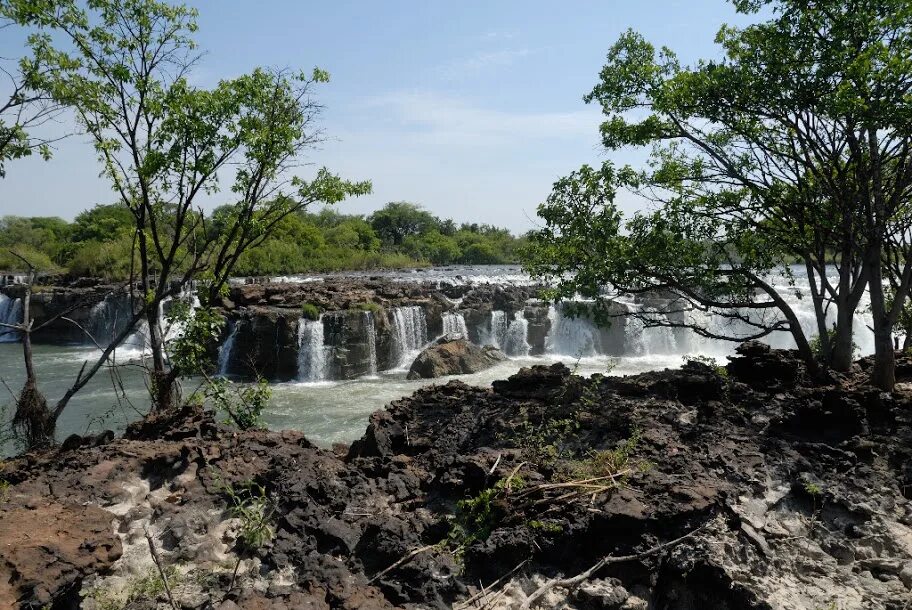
[
  {"x": 409, "y": 334},
  {"x": 572, "y": 336},
  {"x": 454, "y": 324},
  {"x": 332, "y": 411},
  {"x": 10, "y": 313},
  {"x": 224, "y": 352},
  {"x": 496, "y": 332},
  {"x": 517, "y": 342},
  {"x": 311, "y": 351},
  {"x": 371, "y": 341}
]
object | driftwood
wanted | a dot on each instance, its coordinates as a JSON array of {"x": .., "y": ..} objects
[
  {"x": 161, "y": 569},
  {"x": 574, "y": 581}
]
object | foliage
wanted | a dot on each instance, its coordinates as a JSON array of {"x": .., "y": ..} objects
[
  {"x": 609, "y": 462},
  {"x": 199, "y": 328},
  {"x": 546, "y": 442},
  {"x": 708, "y": 361},
  {"x": 100, "y": 243},
  {"x": 251, "y": 505},
  {"x": 777, "y": 151},
  {"x": 478, "y": 516},
  {"x": 141, "y": 588},
  {"x": 309, "y": 311},
  {"x": 370, "y": 306},
  {"x": 244, "y": 404}
]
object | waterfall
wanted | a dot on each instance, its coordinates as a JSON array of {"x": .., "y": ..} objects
[
  {"x": 108, "y": 318},
  {"x": 10, "y": 313},
  {"x": 496, "y": 332},
  {"x": 643, "y": 340},
  {"x": 517, "y": 343},
  {"x": 454, "y": 324},
  {"x": 311, "y": 351},
  {"x": 371, "y": 340},
  {"x": 409, "y": 333},
  {"x": 571, "y": 336},
  {"x": 224, "y": 352}
]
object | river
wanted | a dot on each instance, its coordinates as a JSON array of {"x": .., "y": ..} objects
[{"x": 337, "y": 411}]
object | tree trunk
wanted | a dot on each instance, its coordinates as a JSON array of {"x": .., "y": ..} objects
[
  {"x": 883, "y": 373},
  {"x": 160, "y": 379},
  {"x": 843, "y": 347},
  {"x": 33, "y": 421}
]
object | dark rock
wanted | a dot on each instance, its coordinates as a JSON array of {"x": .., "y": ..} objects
[
  {"x": 538, "y": 381},
  {"x": 454, "y": 356}
]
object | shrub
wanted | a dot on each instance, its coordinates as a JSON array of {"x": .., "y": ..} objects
[{"x": 309, "y": 311}]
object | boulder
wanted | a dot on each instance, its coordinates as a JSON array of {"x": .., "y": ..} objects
[{"x": 454, "y": 356}]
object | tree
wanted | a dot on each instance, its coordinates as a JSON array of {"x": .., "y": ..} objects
[
  {"x": 163, "y": 143},
  {"x": 794, "y": 146},
  {"x": 397, "y": 220},
  {"x": 28, "y": 107}
]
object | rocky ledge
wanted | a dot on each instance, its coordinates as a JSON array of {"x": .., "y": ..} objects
[{"x": 737, "y": 488}]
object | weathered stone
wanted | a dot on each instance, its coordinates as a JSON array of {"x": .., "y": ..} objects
[{"x": 454, "y": 357}]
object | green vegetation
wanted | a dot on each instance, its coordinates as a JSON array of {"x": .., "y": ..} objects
[
  {"x": 142, "y": 588},
  {"x": 309, "y": 311},
  {"x": 99, "y": 242},
  {"x": 251, "y": 505},
  {"x": 478, "y": 516},
  {"x": 740, "y": 188}
]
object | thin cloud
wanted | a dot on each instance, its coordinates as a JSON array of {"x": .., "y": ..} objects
[
  {"x": 454, "y": 121},
  {"x": 482, "y": 62}
]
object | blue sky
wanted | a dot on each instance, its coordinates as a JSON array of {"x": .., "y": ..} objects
[{"x": 471, "y": 109}]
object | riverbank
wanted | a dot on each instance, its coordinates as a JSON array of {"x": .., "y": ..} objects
[{"x": 742, "y": 489}]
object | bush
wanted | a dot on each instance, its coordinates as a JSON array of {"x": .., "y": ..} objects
[{"x": 309, "y": 311}]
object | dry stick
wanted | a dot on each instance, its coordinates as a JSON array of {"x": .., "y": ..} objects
[
  {"x": 572, "y": 583},
  {"x": 405, "y": 559},
  {"x": 161, "y": 571},
  {"x": 479, "y": 595}
]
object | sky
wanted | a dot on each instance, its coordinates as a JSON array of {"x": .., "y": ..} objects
[{"x": 471, "y": 109}]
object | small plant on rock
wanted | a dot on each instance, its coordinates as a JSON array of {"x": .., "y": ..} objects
[
  {"x": 615, "y": 462},
  {"x": 243, "y": 406},
  {"x": 478, "y": 516},
  {"x": 309, "y": 311},
  {"x": 709, "y": 361}
]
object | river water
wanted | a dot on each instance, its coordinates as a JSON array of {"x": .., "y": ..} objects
[{"x": 337, "y": 411}]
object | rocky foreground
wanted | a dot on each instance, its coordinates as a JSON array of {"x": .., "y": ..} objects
[{"x": 700, "y": 488}]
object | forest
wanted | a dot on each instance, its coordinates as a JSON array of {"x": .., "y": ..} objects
[{"x": 99, "y": 242}]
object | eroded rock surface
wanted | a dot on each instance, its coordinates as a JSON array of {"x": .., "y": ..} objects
[
  {"x": 780, "y": 496},
  {"x": 454, "y": 356}
]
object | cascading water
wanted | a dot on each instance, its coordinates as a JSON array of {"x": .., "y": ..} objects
[
  {"x": 571, "y": 336},
  {"x": 371, "y": 338},
  {"x": 10, "y": 313},
  {"x": 409, "y": 333},
  {"x": 496, "y": 332},
  {"x": 224, "y": 353},
  {"x": 646, "y": 340},
  {"x": 454, "y": 324},
  {"x": 517, "y": 342},
  {"x": 311, "y": 350}
]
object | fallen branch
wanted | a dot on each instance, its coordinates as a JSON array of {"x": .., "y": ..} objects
[
  {"x": 575, "y": 581},
  {"x": 161, "y": 570},
  {"x": 402, "y": 561},
  {"x": 483, "y": 593}
]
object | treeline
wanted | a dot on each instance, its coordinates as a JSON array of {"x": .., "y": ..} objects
[{"x": 99, "y": 242}]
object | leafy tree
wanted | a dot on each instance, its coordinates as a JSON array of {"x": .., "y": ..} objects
[
  {"x": 102, "y": 223},
  {"x": 27, "y": 106},
  {"x": 163, "y": 142},
  {"x": 397, "y": 220},
  {"x": 794, "y": 146}
]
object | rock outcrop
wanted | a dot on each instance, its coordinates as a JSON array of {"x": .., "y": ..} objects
[
  {"x": 453, "y": 355},
  {"x": 699, "y": 489}
]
